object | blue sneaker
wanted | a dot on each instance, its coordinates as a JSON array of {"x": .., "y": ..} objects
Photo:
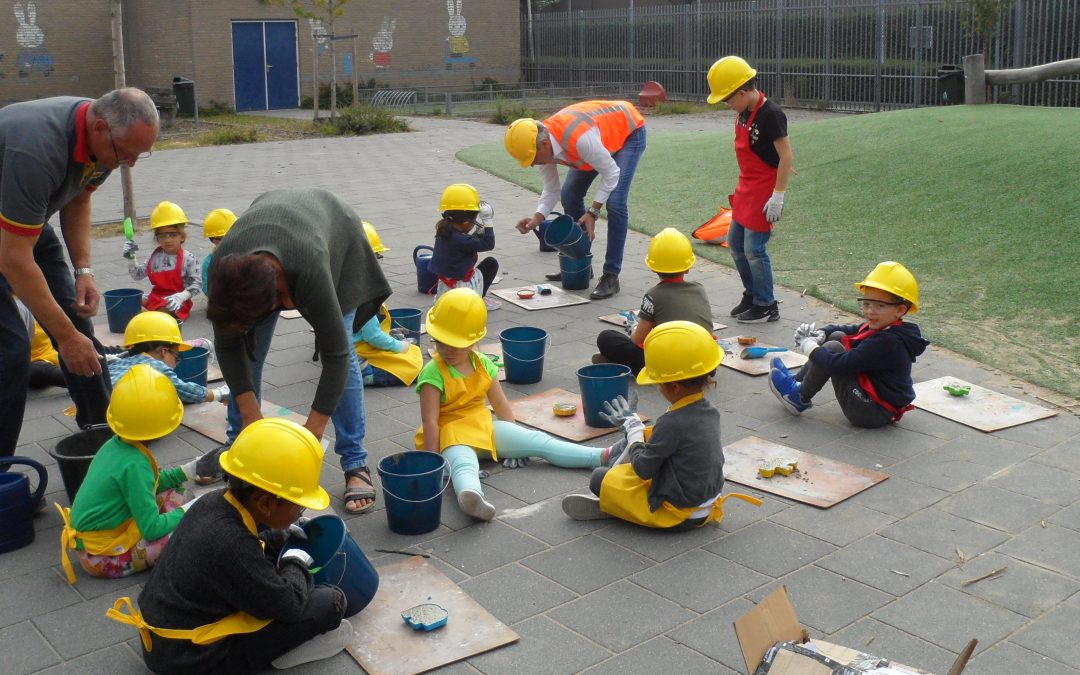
[{"x": 786, "y": 388}]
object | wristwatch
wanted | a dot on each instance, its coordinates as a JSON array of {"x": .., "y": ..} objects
[
  {"x": 593, "y": 211},
  {"x": 79, "y": 271}
]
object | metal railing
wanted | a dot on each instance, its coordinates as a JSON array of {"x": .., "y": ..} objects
[{"x": 835, "y": 54}]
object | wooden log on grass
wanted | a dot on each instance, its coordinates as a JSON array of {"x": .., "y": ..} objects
[{"x": 976, "y": 77}]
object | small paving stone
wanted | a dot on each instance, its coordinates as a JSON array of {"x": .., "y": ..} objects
[
  {"x": 680, "y": 580},
  {"x": 586, "y": 564},
  {"x": 659, "y": 655},
  {"x": 770, "y": 549},
  {"x": 885, "y": 564},
  {"x": 539, "y": 636},
  {"x": 601, "y": 616},
  {"x": 944, "y": 535}
]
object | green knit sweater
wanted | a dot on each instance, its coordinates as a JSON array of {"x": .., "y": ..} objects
[{"x": 329, "y": 268}]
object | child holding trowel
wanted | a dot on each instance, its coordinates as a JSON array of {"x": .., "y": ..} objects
[
  {"x": 672, "y": 479},
  {"x": 226, "y": 597},
  {"x": 215, "y": 226},
  {"x": 173, "y": 272},
  {"x": 454, "y": 388},
  {"x": 673, "y": 299},
  {"x": 463, "y": 232},
  {"x": 869, "y": 363}
]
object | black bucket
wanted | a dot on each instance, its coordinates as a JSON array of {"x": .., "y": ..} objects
[{"x": 74, "y": 454}]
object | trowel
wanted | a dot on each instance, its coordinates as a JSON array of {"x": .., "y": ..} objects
[{"x": 758, "y": 352}]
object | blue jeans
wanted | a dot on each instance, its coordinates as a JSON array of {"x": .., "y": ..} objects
[
  {"x": 752, "y": 261},
  {"x": 577, "y": 183},
  {"x": 349, "y": 418}
]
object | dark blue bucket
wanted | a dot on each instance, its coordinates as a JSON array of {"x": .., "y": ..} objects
[
  {"x": 540, "y": 231},
  {"x": 426, "y": 280},
  {"x": 523, "y": 350},
  {"x": 18, "y": 504},
  {"x": 193, "y": 365},
  {"x": 601, "y": 382},
  {"x": 565, "y": 235},
  {"x": 575, "y": 273},
  {"x": 339, "y": 561},
  {"x": 412, "y": 488},
  {"x": 406, "y": 318},
  {"x": 121, "y": 304}
]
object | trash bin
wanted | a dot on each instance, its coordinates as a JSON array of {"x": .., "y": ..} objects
[
  {"x": 950, "y": 82},
  {"x": 184, "y": 90}
]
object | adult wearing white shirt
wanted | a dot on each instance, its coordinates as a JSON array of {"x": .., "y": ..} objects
[{"x": 593, "y": 138}]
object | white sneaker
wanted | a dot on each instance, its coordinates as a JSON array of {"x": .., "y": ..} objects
[
  {"x": 583, "y": 507},
  {"x": 474, "y": 504},
  {"x": 317, "y": 648}
]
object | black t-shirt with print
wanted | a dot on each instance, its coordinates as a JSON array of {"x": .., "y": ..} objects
[{"x": 769, "y": 126}]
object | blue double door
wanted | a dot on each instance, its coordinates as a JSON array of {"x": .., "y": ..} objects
[{"x": 265, "y": 74}]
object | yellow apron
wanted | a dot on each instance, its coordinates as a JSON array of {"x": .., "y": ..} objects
[
  {"x": 41, "y": 348},
  {"x": 404, "y": 367},
  {"x": 236, "y": 623},
  {"x": 116, "y": 541},
  {"x": 464, "y": 418},
  {"x": 625, "y": 495}
]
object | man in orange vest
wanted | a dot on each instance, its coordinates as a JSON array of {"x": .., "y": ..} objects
[{"x": 605, "y": 138}]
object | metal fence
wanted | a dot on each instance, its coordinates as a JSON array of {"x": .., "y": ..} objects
[{"x": 834, "y": 54}]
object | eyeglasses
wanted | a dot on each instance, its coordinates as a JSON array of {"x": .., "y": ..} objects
[
  {"x": 876, "y": 305},
  {"x": 127, "y": 161}
]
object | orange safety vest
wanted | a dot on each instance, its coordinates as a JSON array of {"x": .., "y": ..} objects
[{"x": 616, "y": 120}]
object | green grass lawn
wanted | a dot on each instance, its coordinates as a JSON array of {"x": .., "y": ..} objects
[{"x": 982, "y": 203}]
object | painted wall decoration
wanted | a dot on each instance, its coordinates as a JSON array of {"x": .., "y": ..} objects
[
  {"x": 33, "y": 57},
  {"x": 457, "y": 45},
  {"x": 382, "y": 43}
]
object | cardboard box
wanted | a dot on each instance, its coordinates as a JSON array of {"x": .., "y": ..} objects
[{"x": 774, "y": 620}]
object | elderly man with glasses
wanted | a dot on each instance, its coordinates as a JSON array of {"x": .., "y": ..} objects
[{"x": 54, "y": 153}]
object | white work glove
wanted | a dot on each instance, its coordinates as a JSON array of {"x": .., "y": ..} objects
[
  {"x": 299, "y": 555},
  {"x": 809, "y": 330},
  {"x": 113, "y": 358},
  {"x": 176, "y": 300},
  {"x": 187, "y": 505},
  {"x": 634, "y": 429},
  {"x": 129, "y": 249},
  {"x": 486, "y": 216},
  {"x": 189, "y": 469},
  {"x": 221, "y": 394},
  {"x": 774, "y": 208},
  {"x": 808, "y": 345},
  {"x": 516, "y": 462}
]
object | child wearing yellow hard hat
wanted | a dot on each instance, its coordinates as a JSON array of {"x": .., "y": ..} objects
[
  {"x": 455, "y": 387},
  {"x": 672, "y": 479},
  {"x": 869, "y": 363},
  {"x": 126, "y": 507},
  {"x": 227, "y": 597},
  {"x": 216, "y": 225},
  {"x": 464, "y": 231},
  {"x": 673, "y": 299},
  {"x": 173, "y": 272}
]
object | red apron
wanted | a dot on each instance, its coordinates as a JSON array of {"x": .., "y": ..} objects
[
  {"x": 864, "y": 380},
  {"x": 164, "y": 284},
  {"x": 756, "y": 179}
]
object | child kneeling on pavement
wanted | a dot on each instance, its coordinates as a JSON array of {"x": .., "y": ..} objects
[
  {"x": 223, "y": 597},
  {"x": 672, "y": 479},
  {"x": 869, "y": 363}
]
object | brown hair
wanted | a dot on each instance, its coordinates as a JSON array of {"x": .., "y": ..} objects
[
  {"x": 243, "y": 289},
  {"x": 445, "y": 227}
]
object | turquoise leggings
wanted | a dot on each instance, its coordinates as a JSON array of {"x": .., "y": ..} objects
[{"x": 513, "y": 441}]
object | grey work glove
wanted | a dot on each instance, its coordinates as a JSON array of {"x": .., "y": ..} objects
[
  {"x": 399, "y": 334},
  {"x": 129, "y": 249},
  {"x": 809, "y": 330},
  {"x": 515, "y": 462},
  {"x": 175, "y": 301},
  {"x": 774, "y": 208},
  {"x": 189, "y": 469},
  {"x": 618, "y": 409},
  {"x": 221, "y": 394},
  {"x": 486, "y": 215},
  {"x": 299, "y": 555}
]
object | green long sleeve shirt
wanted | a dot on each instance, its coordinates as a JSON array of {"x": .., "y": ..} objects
[{"x": 119, "y": 485}]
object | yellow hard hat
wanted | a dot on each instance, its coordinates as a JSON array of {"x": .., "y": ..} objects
[
  {"x": 520, "y": 140},
  {"x": 144, "y": 405},
  {"x": 679, "y": 350},
  {"x": 165, "y": 214},
  {"x": 726, "y": 76},
  {"x": 154, "y": 327},
  {"x": 281, "y": 457},
  {"x": 670, "y": 252},
  {"x": 459, "y": 197},
  {"x": 892, "y": 277},
  {"x": 458, "y": 319},
  {"x": 373, "y": 238},
  {"x": 217, "y": 223}
]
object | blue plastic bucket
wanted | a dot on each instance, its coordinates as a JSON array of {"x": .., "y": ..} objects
[
  {"x": 412, "y": 485},
  {"x": 523, "y": 350},
  {"x": 193, "y": 365},
  {"x": 18, "y": 504},
  {"x": 575, "y": 273},
  {"x": 406, "y": 318},
  {"x": 338, "y": 561},
  {"x": 565, "y": 235},
  {"x": 121, "y": 304},
  {"x": 426, "y": 280},
  {"x": 601, "y": 382},
  {"x": 540, "y": 231}
]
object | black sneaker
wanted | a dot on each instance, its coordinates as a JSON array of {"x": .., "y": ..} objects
[
  {"x": 606, "y": 287},
  {"x": 746, "y": 303},
  {"x": 760, "y": 314},
  {"x": 554, "y": 276}
]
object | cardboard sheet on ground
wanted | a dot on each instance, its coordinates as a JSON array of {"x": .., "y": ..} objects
[
  {"x": 536, "y": 412},
  {"x": 760, "y": 366},
  {"x": 620, "y": 321},
  {"x": 385, "y": 645},
  {"x": 819, "y": 481},
  {"x": 489, "y": 348},
  {"x": 981, "y": 409},
  {"x": 558, "y": 298},
  {"x": 209, "y": 418}
]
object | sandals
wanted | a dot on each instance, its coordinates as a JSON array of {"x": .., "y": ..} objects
[{"x": 359, "y": 493}]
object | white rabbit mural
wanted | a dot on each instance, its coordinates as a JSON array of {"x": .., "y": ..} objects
[
  {"x": 382, "y": 43},
  {"x": 459, "y": 44},
  {"x": 33, "y": 57}
]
